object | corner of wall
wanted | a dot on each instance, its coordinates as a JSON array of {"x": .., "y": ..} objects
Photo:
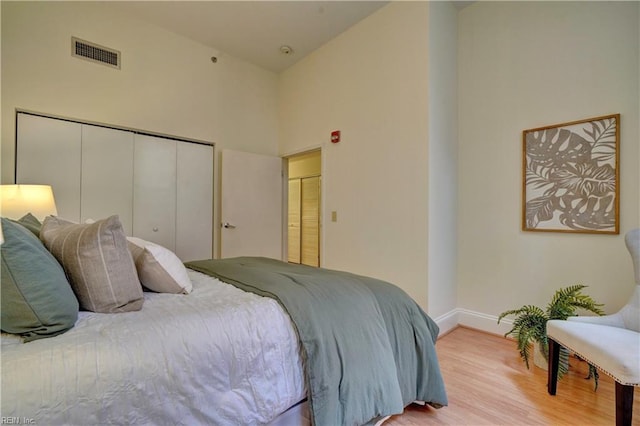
[
  {"x": 442, "y": 189},
  {"x": 471, "y": 319}
]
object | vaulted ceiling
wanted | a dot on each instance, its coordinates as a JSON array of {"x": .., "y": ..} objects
[{"x": 255, "y": 30}]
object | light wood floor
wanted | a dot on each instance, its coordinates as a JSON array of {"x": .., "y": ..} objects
[{"x": 488, "y": 384}]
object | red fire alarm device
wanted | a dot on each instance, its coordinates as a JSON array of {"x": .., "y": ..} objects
[{"x": 335, "y": 136}]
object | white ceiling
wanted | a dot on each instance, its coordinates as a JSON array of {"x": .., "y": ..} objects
[{"x": 255, "y": 30}]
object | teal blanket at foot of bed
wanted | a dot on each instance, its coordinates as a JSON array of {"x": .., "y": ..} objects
[{"x": 368, "y": 347}]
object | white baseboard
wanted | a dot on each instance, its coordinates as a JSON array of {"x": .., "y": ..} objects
[
  {"x": 447, "y": 322},
  {"x": 472, "y": 319}
]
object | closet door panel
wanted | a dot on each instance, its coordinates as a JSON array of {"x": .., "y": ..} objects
[
  {"x": 194, "y": 207},
  {"x": 154, "y": 190},
  {"x": 293, "y": 219},
  {"x": 107, "y": 175},
  {"x": 310, "y": 222},
  {"x": 48, "y": 153}
]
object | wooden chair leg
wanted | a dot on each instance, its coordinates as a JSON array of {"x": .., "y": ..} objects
[
  {"x": 554, "y": 361},
  {"x": 624, "y": 404}
]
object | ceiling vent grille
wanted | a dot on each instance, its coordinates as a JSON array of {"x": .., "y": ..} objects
[{"x": 95, "y": 53}]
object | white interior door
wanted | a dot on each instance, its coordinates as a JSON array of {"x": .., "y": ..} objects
[{"x": 251, "y": 205}]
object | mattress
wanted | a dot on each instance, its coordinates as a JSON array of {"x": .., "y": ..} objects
[{"x": 216, "y": 356}]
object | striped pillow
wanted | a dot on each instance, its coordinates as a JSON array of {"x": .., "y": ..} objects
[{"x": 97, "y": 263}]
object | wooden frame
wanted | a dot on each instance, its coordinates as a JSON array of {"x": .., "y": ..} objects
[{"x": 571, "y": 175}]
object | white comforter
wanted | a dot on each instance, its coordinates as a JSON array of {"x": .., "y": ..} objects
[{"x": 218, "y": 356}]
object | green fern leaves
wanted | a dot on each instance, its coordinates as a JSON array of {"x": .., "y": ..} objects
[{"x": 530, "y": 323}]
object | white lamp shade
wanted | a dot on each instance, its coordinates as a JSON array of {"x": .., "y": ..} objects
[{"x": 18, "y": 200}]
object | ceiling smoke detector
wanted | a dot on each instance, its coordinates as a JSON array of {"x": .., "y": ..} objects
[{"x": 286, "y": 50}]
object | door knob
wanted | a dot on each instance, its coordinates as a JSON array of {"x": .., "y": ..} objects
[{"x": 228, "y": 225}]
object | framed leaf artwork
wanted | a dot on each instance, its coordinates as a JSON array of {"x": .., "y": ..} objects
[{"x": 571, "y": 177}]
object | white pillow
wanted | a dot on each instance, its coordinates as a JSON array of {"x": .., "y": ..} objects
[{"x": 159, "y": 269}]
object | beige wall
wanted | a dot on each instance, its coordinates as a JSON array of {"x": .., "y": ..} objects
[
  {"x": 167, "y": 83},
  {"x": 388, "y": 84},
  {"x": 370, "y": 83},
  {"x": 306, "y": 164},
  {"x": 524, "y": 65}
]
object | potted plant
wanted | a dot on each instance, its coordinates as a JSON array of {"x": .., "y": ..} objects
[{"x": 530, "y": 324}]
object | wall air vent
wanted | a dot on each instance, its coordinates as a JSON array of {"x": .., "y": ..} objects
[{"x": 95, "y": 53}]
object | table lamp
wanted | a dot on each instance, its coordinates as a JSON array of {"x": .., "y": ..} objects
[{"x": 18, "y": 200}]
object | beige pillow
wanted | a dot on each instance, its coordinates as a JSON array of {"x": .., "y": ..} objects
[
  {"x": 97, "y": 263},
  {"x": 159, "y": 268}
]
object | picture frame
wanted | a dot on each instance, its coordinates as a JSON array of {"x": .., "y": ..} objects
[{"x": 571, "y": 177}]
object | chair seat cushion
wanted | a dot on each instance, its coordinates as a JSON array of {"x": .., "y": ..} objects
[{"x": 615, "y": 351}]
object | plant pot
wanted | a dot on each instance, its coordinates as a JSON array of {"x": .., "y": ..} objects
[{"x": 539, "y": 358}]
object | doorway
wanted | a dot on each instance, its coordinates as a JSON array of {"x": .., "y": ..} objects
[{"x": 303, "y": 216}]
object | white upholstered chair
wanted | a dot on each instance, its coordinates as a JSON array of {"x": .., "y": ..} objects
[{"x": 611, "y": 343}]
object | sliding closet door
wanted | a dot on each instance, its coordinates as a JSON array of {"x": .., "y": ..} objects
[
  {"x": 194, "y": 207},
  {"x": 48, "y": 153},
  {"x": 161, "y": 188},
  {"x": 154, "y": 190},
  {"x": 107, "y": 175}
]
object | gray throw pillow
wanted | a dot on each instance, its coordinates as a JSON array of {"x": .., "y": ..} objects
[
  {"x": 37, "y": 300},
  {"x": 30, "y": 222},
  {"x": 97, "y": 262}
]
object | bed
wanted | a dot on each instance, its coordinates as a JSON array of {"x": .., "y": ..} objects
[{"x": 244, "y": 341}]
